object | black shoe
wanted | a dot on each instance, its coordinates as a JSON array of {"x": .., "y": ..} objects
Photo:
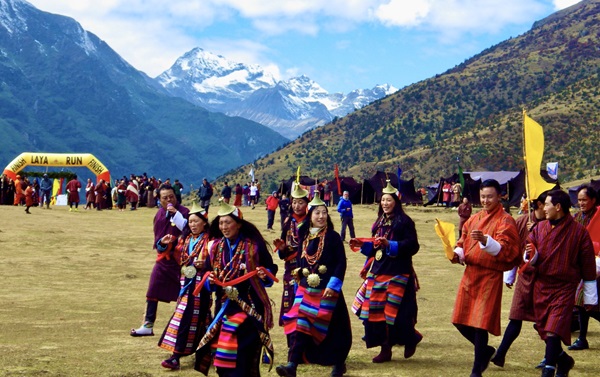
[
  {"x": 489, "y": 352},
  {"x": 288, "y": 370},
  {"x": 338, "y": 370},
  {"x": 542, "y": 364},
  {"x": 564, "y": 365},
  {"x": 579, "y": 344},
  {"x": 548, "y": 372},
  {"x": 498, "y": 359}
]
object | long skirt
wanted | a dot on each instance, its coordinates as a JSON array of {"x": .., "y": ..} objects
[{"x": 189, "y": 321}]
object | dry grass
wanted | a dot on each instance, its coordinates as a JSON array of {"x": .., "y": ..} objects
[{"x": 74, "y": 284}]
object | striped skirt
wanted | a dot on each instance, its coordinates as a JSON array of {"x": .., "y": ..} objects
[
  {"x": 380, "y": 297},
  {"x": 227, "y": 343},
  {"x": 311, "y": 313}
]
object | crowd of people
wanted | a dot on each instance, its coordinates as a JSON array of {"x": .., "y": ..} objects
[
  {"x": 134, "y": 191},
  {"x": 219, "y": 273}
]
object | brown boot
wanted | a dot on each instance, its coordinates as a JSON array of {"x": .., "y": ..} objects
[{"x": 384, "y": 356}]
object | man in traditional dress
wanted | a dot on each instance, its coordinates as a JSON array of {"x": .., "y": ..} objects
[
  {"x": 587, "y": 198},
  {"x": 562, "y": 254},
  {"x": 100, "y": 191},
  {"x": 522, "y": 303},
  {"x": 73, "y": 188},
  {"x": 489, "y": 245},
  {"x": 170, "y": 218}
]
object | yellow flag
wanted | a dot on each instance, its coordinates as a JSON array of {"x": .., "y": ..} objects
[
  {"x": 55, "y": 188},
  {"x": 446, "y": 233},
  {"x": 533, "y": 135}
]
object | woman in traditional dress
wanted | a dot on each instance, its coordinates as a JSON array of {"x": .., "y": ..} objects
[
  {"x": 386, "y": 301},
  {"x": 319, "y": 319},
  {"x": 288, "y": 249},
  {"x": 244, "y": 314},
  {"x": 192, "y": 312}
]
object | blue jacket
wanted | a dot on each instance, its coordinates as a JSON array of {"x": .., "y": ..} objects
[
  {"x": 46, "y": 184},
  {"x": 345, "y": 207}
]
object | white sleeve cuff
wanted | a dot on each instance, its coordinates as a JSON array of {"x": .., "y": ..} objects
[
  {"x": 492, "y": 247},
  {"x": 532, "y": 260},
  {"x": 461, "y": 254},
  {"x": 597, "y": 266},
  {"x": 510, "y": 275},
  {"x": 590, "y": 293},
  {"x": 179, "y": 220}
]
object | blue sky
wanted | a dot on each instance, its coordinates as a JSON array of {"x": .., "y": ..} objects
[{"x": 341, "y": 44}]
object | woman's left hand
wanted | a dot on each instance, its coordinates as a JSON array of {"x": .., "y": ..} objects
[
  {"x": 383, "y": 242},
  {"x": 328, "y": 292},
  {"x": 261, "y": 274}
]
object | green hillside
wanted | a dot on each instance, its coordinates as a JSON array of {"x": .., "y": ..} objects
[{"x": 472, "y": 111}]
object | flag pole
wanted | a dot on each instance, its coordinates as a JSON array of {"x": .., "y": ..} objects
[{"x": 526, "y": 171}]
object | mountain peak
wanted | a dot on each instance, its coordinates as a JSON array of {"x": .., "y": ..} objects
[
  {"x": 12, "y": 17},
  {"x": 289, "y": 107}
]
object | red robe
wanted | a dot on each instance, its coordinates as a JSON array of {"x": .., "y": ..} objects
[
  {"x": 566, "y": 256},
  {"x": 479, "y": 299},
  {"x": 72, "y": 188},
  {"x": 522, "y": 303}
]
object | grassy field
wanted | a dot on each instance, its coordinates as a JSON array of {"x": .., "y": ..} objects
[{"x": 73, "y": 285}]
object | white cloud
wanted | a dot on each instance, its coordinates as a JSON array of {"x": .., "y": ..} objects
[
  {"x": 152, "y": 34},
  {"x": 562, "y": 4}
]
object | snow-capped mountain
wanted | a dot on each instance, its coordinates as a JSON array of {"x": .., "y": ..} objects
[{"x": 289, "y": 107}]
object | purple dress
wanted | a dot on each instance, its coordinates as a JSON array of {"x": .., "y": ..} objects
[{"x": 164, "y": 280}]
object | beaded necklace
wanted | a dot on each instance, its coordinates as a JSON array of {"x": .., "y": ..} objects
[
  {"x": 230, "y": 269},
  {"x": 312, "y": 259},
  {"x": 383, "y": 226},
  {"x": 191, "y": 243}
]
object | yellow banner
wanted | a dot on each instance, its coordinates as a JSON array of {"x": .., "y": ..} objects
[
  {"x": 534, "y": 152},
  {"x": 57, "y": 159}
]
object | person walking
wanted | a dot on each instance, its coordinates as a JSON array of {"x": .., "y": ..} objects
[
  {"x": 164, "y": 279},
  {"x": 345, "y": 209},
  {"x": 319, "y": 320},
  {"x": 239, "y": 262},
  {"x": 272, "y": 203},
  {"x": 192, "y": 313},
  {"x": 45, "y": 191},
  {"x": 489, "y": 245},
  {"x": 562, "y": 253},
  {"x": 386, "y": 301}
]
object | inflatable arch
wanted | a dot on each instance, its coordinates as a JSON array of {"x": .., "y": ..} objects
[{"x": 57, "y": 159}]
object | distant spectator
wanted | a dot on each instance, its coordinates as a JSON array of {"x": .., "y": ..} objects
[
  {"x": 100, "y": 191},
  {"x": 90, "y": 195},
  {"x": 239, "y": 192},
  {"x": 226, "y": 193},
  {"x": 28, "y": 193},
  {"x": 253, "y": 194},
  {"x": 284, "y": 208},
  {"x": 327, "y": 193},
  {"x": 464, "y": 212},
  {"x": 177, "y": 189},
  {"x": 133, "y": 194},
  {"x": 45, "y": 191},
  {"x": 272, "y": 203},
  {"x": 205, "y": 192},
  {"x": 73, "y": 188},
  {"x": 345, "y": 210}
]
